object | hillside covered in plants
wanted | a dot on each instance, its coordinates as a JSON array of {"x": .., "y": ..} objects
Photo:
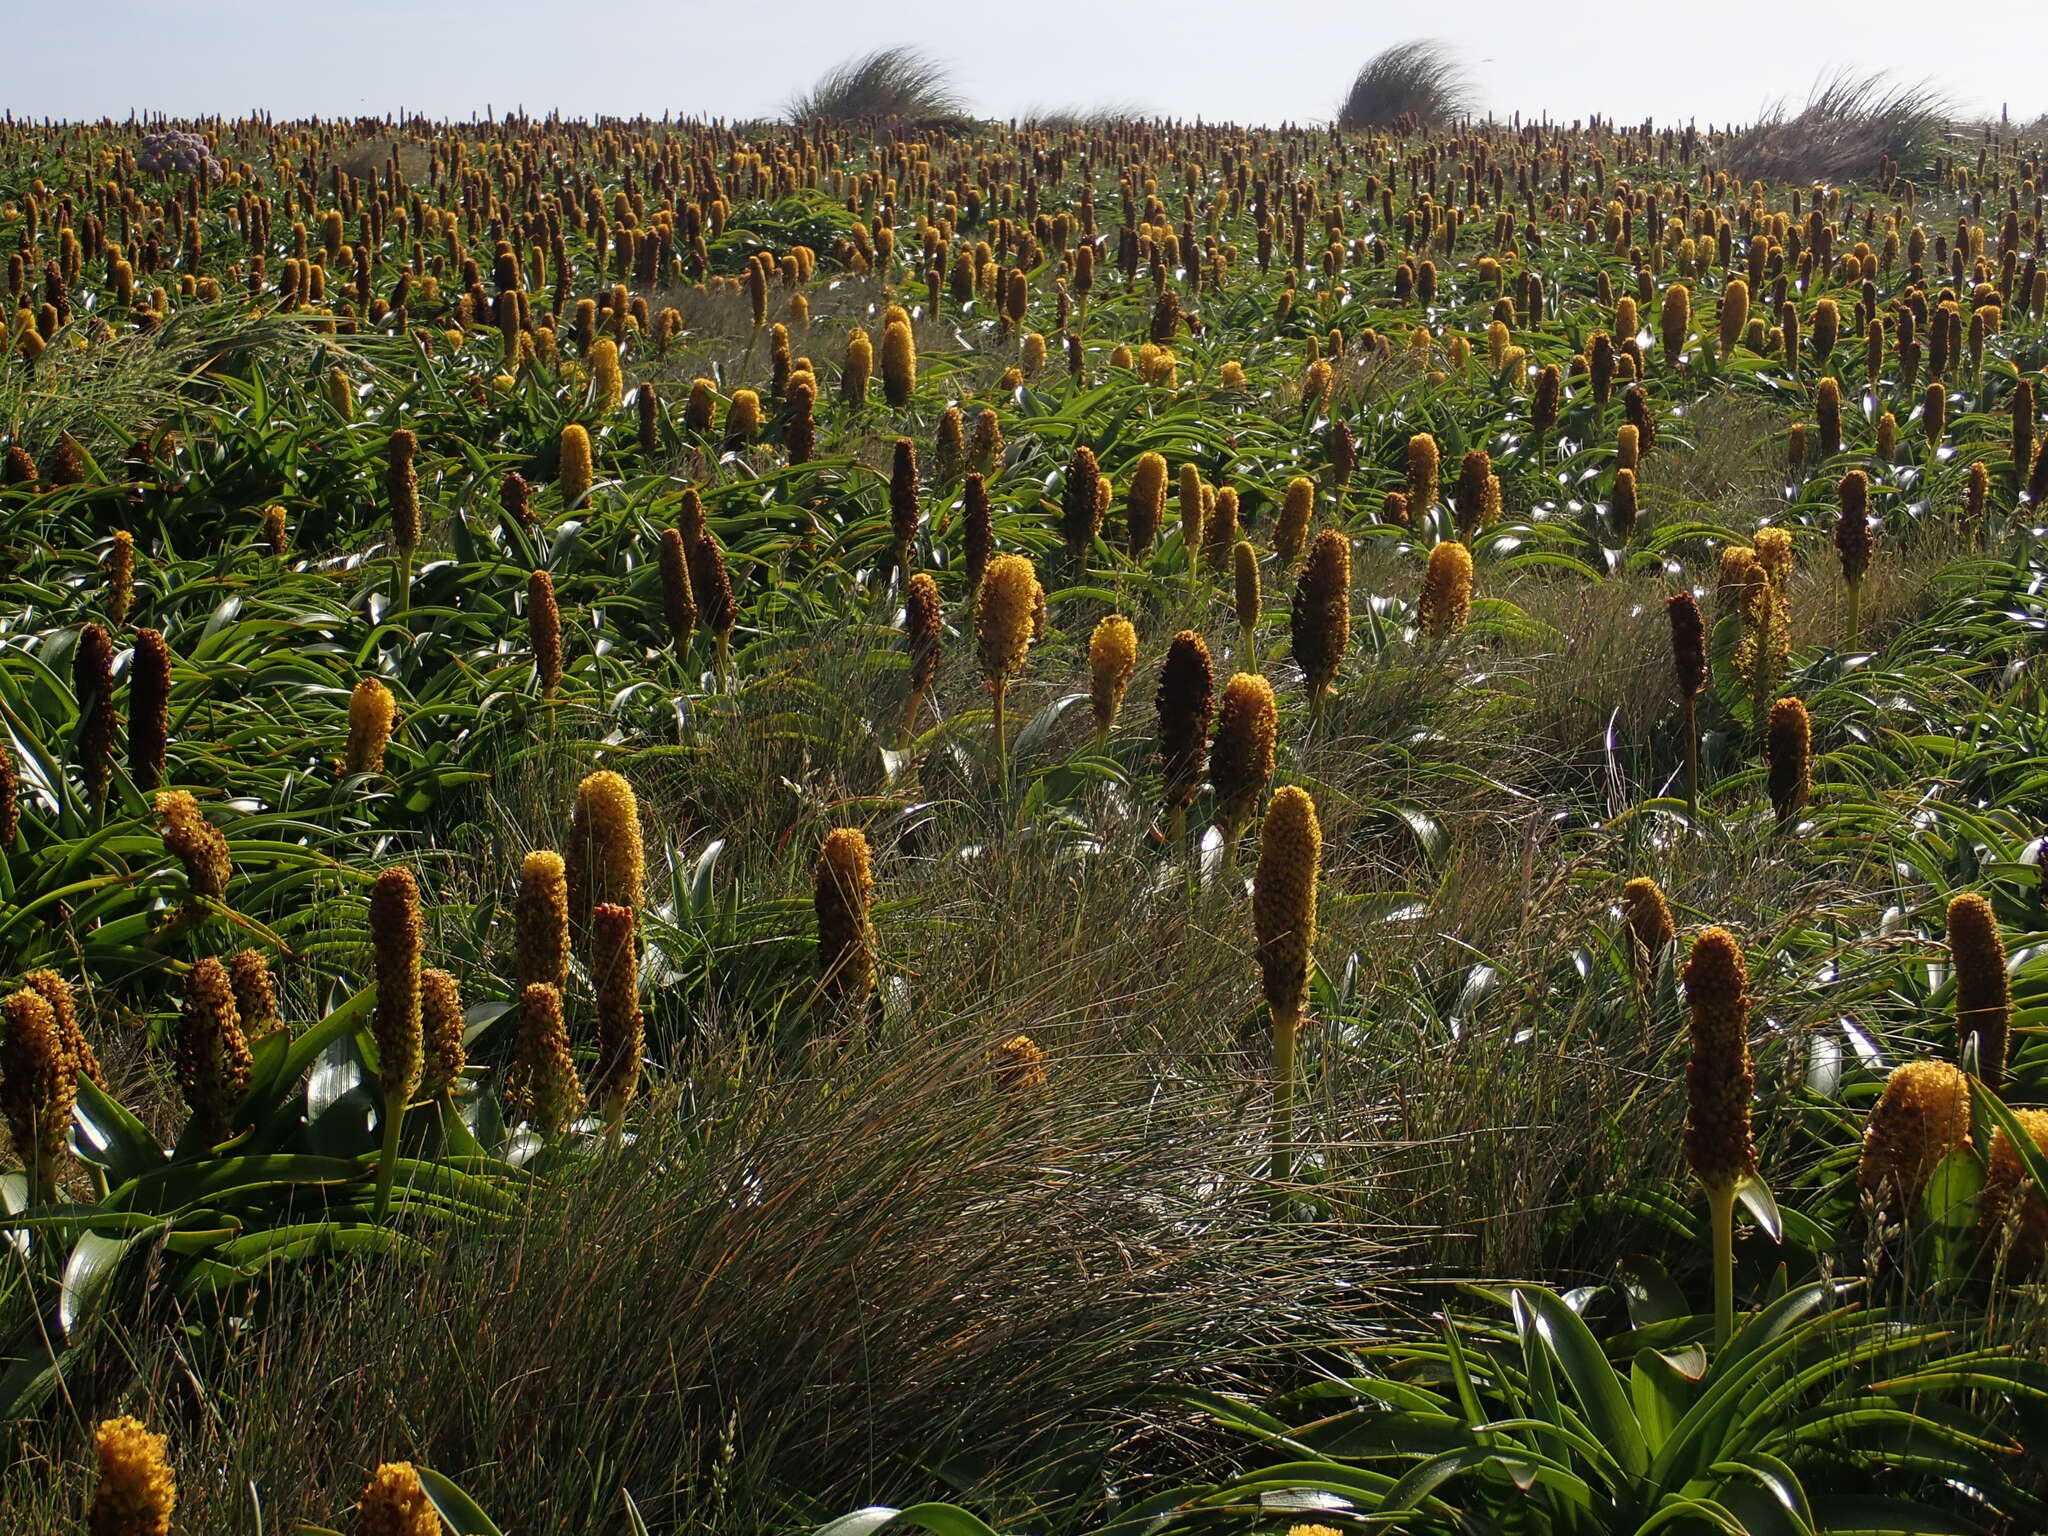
[{"x": 893, "y": 822}]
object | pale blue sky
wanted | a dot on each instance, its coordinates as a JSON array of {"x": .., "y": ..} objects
[{"x": 1213, "y": 58}]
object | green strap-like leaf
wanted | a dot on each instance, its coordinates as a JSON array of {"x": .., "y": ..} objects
[
  {"x": 1594, "y": 1381},
  {"x": 940, "y": 1519}
]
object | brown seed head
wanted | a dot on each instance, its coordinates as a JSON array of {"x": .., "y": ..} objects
[
  {"x": 1651, "y": 930},
  {"x": 1719, "y": 1078},
  {"x": 540, "y": 1085},
  {"x": 1688, "y": 643},
  {"x": 1852, "y": 525},
  {"x": 615, "y": 973},
  {"x": 1470, "y": 497},
  {"x": 544, "y": 631},
  {"x": 402, "y": 489},
  {"x": 1983, "y": 990},
  {"x": 1081, "y": 506},
  {"x": 1241, "y": 757},
  {"x": 678, "y": 599},
  {"x": 842, "y": 884},
  {"x": 211, "y": 1056},
  {"x": 92, "y": 683},
  {"x": 196, "y": 843},
  {"x": 397, "y": 939},
  {"x": 1185, "y": 703},
  {"x": 38, "y": 1086},
  {"x": 2012, "y": 1207},
  {"x": 1788, "y": 746},
  {"x": 255, "y": 992},
  {"x": 903, "y": 491},
  {"x": 1284, "y": 899},
  {"x": 1321, "y": 619},
  {"x": 149, "y": 708}
]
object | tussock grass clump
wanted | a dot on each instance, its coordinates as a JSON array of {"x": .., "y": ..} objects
[
  {"x": 898, "y": 84},
  {"x": 1412, "y": 85},
  {"x": 1850, "y": 125}
]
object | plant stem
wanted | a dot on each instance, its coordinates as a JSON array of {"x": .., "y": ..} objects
[
  {"x": 387, "y": 1165},
  {"x": 1721, "y": 1207},
  {"x": 1002, "y": 752},
  {"x": 1692, "y": 756},
  {"x": 401, "y": 580},
  {"x": 1286, "y": 1028},
  {"x": 1855, "y": 610}
]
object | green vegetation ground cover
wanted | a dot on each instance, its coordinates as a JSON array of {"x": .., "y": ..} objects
[{"x": 851, "y": 1245}]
